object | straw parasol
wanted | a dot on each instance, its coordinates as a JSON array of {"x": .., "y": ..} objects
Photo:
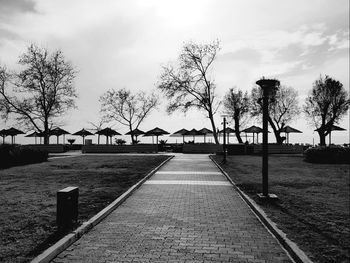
[
  {"x": 180, "y": 133},
  {"x": 156, "y": 132},
  {"x": 287, "y": 130},
  {"x": 194, "y": 133},
  {"x": 205, "y": 131},
  {"x": 228, "y": 130},
  {"x": 13, "y": 132},
  {"x": 253, "y": 129},
  {"x": 3, "y": 135},
  {"x": 333, "y": 128},
  {"x": 34, "y": 134},
  {"x": 83, "y": 133},
  {"x": 108, "y": 132},
  {"x": 136, "y": 132},
  {"x": 58, "y": 132}
]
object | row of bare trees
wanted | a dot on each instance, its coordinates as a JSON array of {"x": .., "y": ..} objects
[
  {"x": 190, "y": 85},
  {"x": 324, "y": 107},
  {"x": 43, "y": 90},
  {"x": 283, "y": 108}
]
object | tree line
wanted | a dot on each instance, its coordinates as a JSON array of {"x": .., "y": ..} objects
[{"x": 43, "y": 90}]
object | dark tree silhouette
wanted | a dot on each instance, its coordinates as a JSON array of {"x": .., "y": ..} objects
[
  {"x": 237, "y": 106},
  {"x": 190, "y": 85},
  {"x": 126, "y": 108},
  {"x": 283, "y": 108},
  {"x": 42, "y": 91},
  {"x": 326, "y": 104}
]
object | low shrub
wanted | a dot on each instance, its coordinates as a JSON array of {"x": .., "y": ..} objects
[
  {"x": 120, "y": 141},
  {"x": 12, "y": 155},
  {"x": 326, "y": 154}
]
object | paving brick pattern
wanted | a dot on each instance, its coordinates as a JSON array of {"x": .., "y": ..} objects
[{"x": 179, "y": 223}]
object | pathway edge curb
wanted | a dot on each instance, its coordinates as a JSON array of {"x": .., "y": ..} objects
[
  {"x": 62, "y": 244},
  {"x": 291, "y": 247}
]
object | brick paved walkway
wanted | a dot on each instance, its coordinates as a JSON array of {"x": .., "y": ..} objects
[{"x": 187, "y": 212}]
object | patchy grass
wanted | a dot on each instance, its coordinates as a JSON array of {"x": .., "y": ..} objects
[
  {"x": 313, "y": 206},
  {"x": 28, "y": 197}
]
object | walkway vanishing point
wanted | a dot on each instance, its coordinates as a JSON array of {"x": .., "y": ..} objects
[{"x": 186, "y": 212}]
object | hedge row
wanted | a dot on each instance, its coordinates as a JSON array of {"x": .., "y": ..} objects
[
  {"x": 12, "y": 155},
  {"x": 326, "y": 154}
]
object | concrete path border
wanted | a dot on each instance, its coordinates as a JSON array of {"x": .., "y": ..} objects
[
  {"x": 292, "y": 248},
  {"x": 69, "y": 239}
]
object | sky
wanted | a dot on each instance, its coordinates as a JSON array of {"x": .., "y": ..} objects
[{"x": 124, "y": 44}]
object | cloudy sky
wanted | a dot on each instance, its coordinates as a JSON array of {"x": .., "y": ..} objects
[{"x": 116, "y": 44}]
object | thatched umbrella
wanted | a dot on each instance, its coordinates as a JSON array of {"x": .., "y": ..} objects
[
  {"x": 287, "y": 130},
  {"x": 156, "y": 132},
  {"x": 181, "y": 132},
  {"x": 194, "y": 133},
  {"x": 58, "y": 132},
  {"x": 83, "y": 133},
  {"x": 13, "y": 132},
  {"x": 253, "y": 129},
  {"x": 3, "y": 135},
  {"x": 35, "y": 134},
  {"x": 109, "y": 133},
  {"x": 205, "y": 131},
  {"x": 135, "y": 133},
  {"x": 333, "y": 128},
  {"x": 228, "y": 130}
]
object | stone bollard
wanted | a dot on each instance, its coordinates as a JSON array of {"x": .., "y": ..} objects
[{"x": 67, "y": 207}]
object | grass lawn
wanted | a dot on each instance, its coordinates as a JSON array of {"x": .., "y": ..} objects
[
  {"x": 313, "y": 206},
  {"x": 28, "y": 196}
]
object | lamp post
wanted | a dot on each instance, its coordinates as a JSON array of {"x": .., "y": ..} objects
[
  {"x": 268, "y": 86},
  {"x": 224, "y": 139}
]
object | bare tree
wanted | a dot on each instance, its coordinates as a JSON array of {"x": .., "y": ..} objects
[
  {"x": 283, "y": 108},
  {"x": 126, "y": 108},
  {"x": 326, "y": 104},
  {"x": 190, "y": 85},
  {"x": 237, "y": 105},
  {"x": 42, "y": 91}
]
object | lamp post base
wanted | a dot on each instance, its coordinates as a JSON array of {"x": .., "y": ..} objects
[{"x": 267, "y": 197}]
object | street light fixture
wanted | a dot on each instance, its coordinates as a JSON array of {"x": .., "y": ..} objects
[{"x": 268, "y": 86}]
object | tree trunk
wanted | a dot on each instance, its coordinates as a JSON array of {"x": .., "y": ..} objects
[
  {"x": 237, "y": 131},
  {"x": 322, "y": 138},
  {"x": 131, "y": 135},
  {"x": 279, "y": 139},
  {"x": 46, "y": 132},
  {"x": 215, "y": 135}
]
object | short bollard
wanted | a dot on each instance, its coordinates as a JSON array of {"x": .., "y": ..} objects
[{"x": 67, "y": 207}]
